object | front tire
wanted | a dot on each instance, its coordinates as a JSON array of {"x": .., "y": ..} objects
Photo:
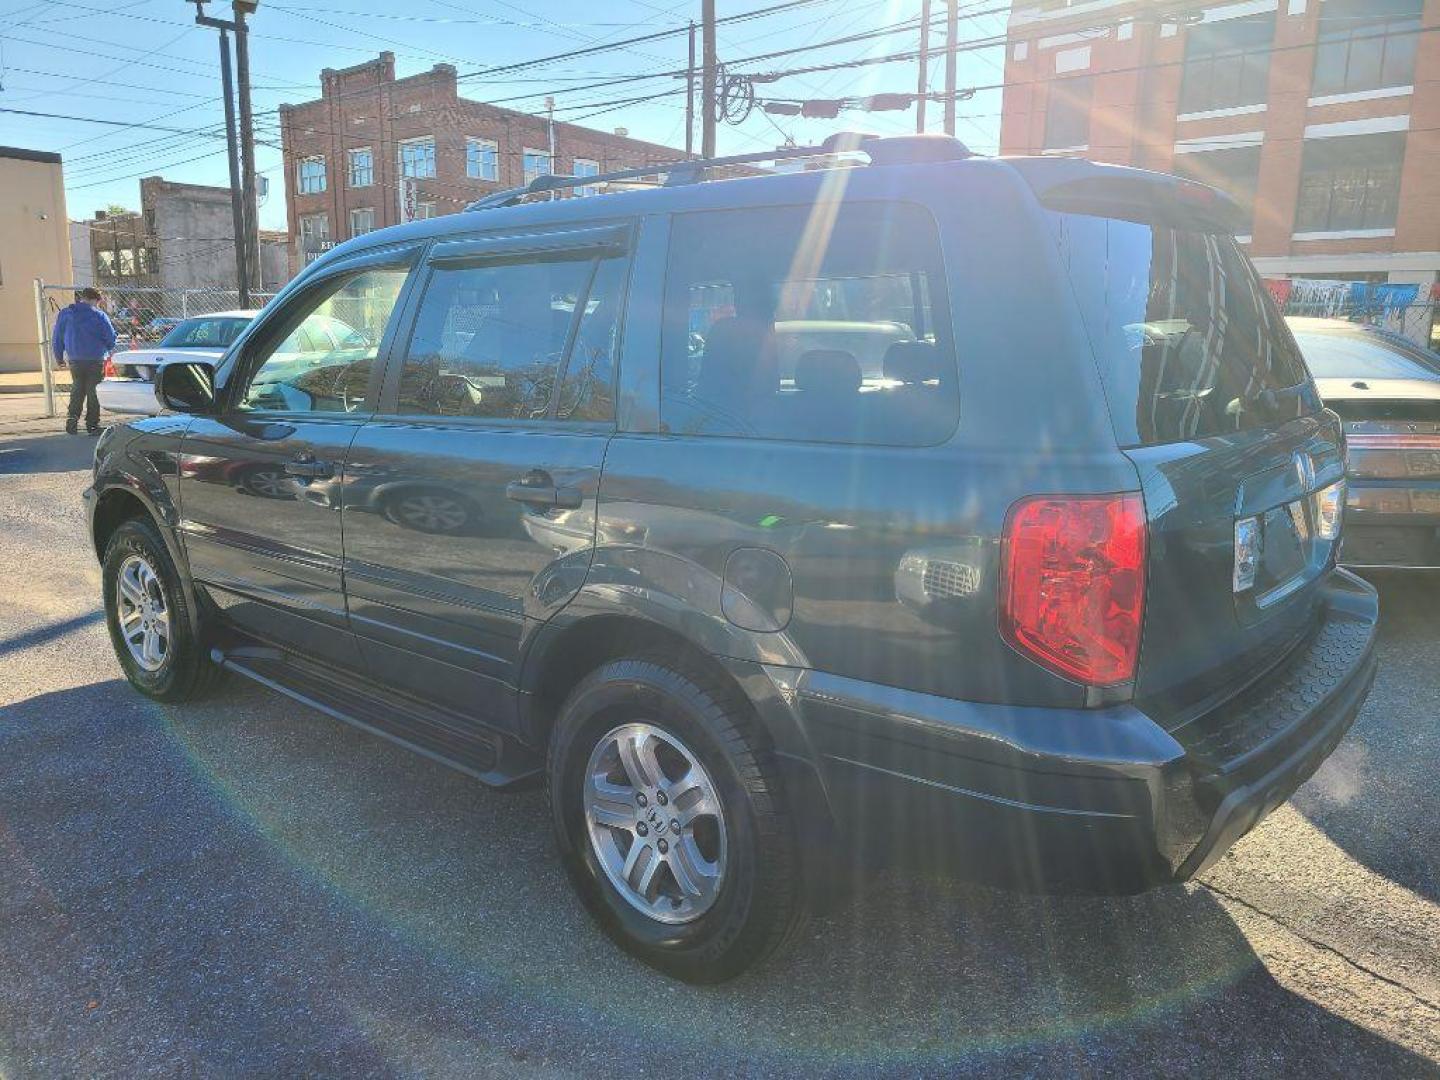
[
  {"x": 670, "y": 820},
  {"x": 149, "y": 617}
]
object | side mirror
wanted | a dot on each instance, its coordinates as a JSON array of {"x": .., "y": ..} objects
[{"x": 185, "y": 386}]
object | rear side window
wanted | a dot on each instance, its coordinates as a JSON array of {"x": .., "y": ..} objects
[
  {"x": 1186, "y": 335},
  {"x": 811, "y": 324}
]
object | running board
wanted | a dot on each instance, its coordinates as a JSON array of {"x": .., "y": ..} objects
[{"x": 444, "y": 737}]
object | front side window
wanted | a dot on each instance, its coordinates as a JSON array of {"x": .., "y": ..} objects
[
  {"x": 815, "y": 324},
  {"x": 362, "y": 168},
  {"x": 482, "y": 159},
  {"x": 417, "y": 158},
  {"x": 362, "y": 221},
  {"x": 585, "y": 167},
  {"x": 537, "y": 163},
  {"x": 324, "y": 361},
  {"x": 311, "y": 175},
  {"x": 490, "y": 340},
  {"x": 1227, "y": 63},
  {"x": 1235, "y": 171},
  {"x": 1365, "y": 45},
  {"x": 1067, "y": 116},
  {"x": 1351, "y": 182}
]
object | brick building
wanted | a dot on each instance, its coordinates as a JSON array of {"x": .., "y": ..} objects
[
  {"x": 372, "y": 142},
  {"x": 1322, "y": 116}
]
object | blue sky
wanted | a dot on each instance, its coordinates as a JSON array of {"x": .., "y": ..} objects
[{"x": 144, "y": 62}]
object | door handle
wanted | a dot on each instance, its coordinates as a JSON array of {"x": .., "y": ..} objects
[
  {"x": 538, "y": 490},
  {"x": 309, "y": 469}
]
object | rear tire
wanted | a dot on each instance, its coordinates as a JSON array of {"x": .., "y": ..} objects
[
  {"x": 150, "y": 619},
  {"x": 698, "y": 728}
]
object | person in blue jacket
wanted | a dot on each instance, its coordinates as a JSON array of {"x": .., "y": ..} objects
[{"x": 83, "y": 339}]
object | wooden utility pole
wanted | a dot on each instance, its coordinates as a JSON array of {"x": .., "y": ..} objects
[
  {"x": 690, "y": 97},
  {"x": 247, "y": 139},
  {"x": 922, "y": 83},
  {"x": 232, "y": 157},
  {"x": 952, "y": 12},
  {"x": 708, "y": 104}
]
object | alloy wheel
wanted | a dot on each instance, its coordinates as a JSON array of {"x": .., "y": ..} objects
[{"x": 141, "y": 609}]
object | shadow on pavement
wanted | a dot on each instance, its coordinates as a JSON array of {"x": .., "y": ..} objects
[
  {"x": 48, "y": 453},
  {"x": 245, "y": 887},
  {"x": 49, "y": 632}
]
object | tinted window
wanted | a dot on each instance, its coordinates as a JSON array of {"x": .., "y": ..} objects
[
  {"x": 314, "y": 369},
  {"x": 1227, "y": 63},
  {"x": 810, "y": 324},
  {"x": 490, "y": 340},
  {"x": 1352, "y": 182},
  {"x": 1067, "y": 115},
  {"x": 1185, "y": 332},
  {"x": 1362, "y": 355},
  {"x": 207, "y": 333}
]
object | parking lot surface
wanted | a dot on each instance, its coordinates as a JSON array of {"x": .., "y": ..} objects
[{"x": 245, "y": 887}]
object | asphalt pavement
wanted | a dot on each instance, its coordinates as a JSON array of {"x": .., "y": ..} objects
[{"x": 247, "y": 888}]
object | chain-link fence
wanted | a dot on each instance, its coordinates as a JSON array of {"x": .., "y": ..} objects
[
  {"x": 142, "y": 315},
  {"x": 1407, "y": 310}
]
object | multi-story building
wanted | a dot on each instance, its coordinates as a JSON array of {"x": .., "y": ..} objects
[
  {"x": 375, "y": 150},
  {"x": 1322, "y": 117},
  {"x": 34, "y": 243},
  {"x": 182, "y": 237}
]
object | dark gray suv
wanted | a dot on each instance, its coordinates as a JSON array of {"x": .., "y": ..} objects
[{"x": 979, "y": 508}]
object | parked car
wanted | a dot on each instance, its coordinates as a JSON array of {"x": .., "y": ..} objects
[
  {"x": 1387, "y": 391},
  {"x": 128, "y": 386},
  {"x": 1050, "y": 598}
]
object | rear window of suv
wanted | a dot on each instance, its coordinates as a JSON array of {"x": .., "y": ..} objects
[
  {"x": 1183, "y": 328},
  {"x": 824, "y": 323}
]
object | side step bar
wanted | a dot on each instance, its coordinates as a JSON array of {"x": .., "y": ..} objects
[{"x": 443, "y": 737}]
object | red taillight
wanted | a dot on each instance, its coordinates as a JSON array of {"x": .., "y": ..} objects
[
  {"x": 1074, "y": 587},
  {"x": 109, "y": 372}
]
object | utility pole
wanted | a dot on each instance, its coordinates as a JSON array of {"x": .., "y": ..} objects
[
  {"x": 247, "y": 137},
  {"x": 550, "y": 140},
  {"x": 952, "y": 12},
  {"x": 922, "y": 83},
  {"x": 708, "y": 104},
  {"x": 232, "y": 153},
  {"x": 690, "y": 97}
]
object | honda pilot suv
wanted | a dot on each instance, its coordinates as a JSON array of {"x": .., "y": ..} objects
[{"x": 621, "y": 493}]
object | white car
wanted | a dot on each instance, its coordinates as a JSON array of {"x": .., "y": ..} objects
[{"x": 128, "y": 386}]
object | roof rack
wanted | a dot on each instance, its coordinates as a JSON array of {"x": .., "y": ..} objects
[{"x": 892, "y": 150}]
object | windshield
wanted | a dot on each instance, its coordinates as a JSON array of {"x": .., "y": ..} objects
[
  {"x": 209, "y": 332},
  {"x": 1185, "y": 333},
  {"x": 1356, "y": 354}
]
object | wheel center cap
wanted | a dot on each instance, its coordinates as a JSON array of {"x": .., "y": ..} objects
[{"x": 653, "y": 818}]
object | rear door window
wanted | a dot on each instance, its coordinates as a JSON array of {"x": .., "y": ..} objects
[
  {"x": 815, "y": 324},
  {"x": 1186, "y": 335}
]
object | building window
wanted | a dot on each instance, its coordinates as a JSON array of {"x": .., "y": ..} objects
[
  {"x": 417, "y": 157},
  {"x": 1365, "y": 45},
  {"x": 482, "y": 159},
  {"x": 362, "y": 167},
  {"x": 1235, "y": 171},
  {"x": 105, "y": 263},
  {"x": 424, "y": 211},
  {"x": 362, "y": 221},
  {"x": 1227, "y": 63},
  {"x": 1350, "y": 183},
  {"x": 127, "y": 262},
  {"x": 314, "y": 236},
  {"x": 586, "y": 167},
  {"x": 537, "y": 163},
  {"x": 1067, "y": 114},
  {"x": 311, "y": 176}
]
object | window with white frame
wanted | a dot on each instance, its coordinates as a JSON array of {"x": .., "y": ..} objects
[
  {"x": 417, "y": 157},
  {"x": 314, "y": 235},
  {"x": 310, "y": 176},
  {"x": 536, "y": 162},
  {"x": 1365, "y": 45},
  {"x": 586, "y": 167},
  {"x": 362, "y": 221},
  {"x": 1350, "y": 183},
  {"x": 424, "y": 210},
  {"x": 362, "y": 167},
  {"x": 1227, "y": 63},
  {"x": 482, "y": 159}
]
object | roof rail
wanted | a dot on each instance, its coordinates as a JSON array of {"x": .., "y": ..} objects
[{"x": 891, "y": 150}]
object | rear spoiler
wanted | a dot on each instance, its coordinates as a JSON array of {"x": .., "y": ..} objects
[{"x": 1070, "y": 185}]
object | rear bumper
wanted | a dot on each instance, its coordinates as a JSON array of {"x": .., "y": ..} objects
[
  {"x": 1392, "y": 523},
  {"x": 132, "y": 397},
  {"x": 1096, "y": 800}
]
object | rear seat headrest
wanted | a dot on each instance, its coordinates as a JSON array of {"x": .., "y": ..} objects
[
  {"x": 912, "y": 362},
  {"x": 828, "y": 371}
]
